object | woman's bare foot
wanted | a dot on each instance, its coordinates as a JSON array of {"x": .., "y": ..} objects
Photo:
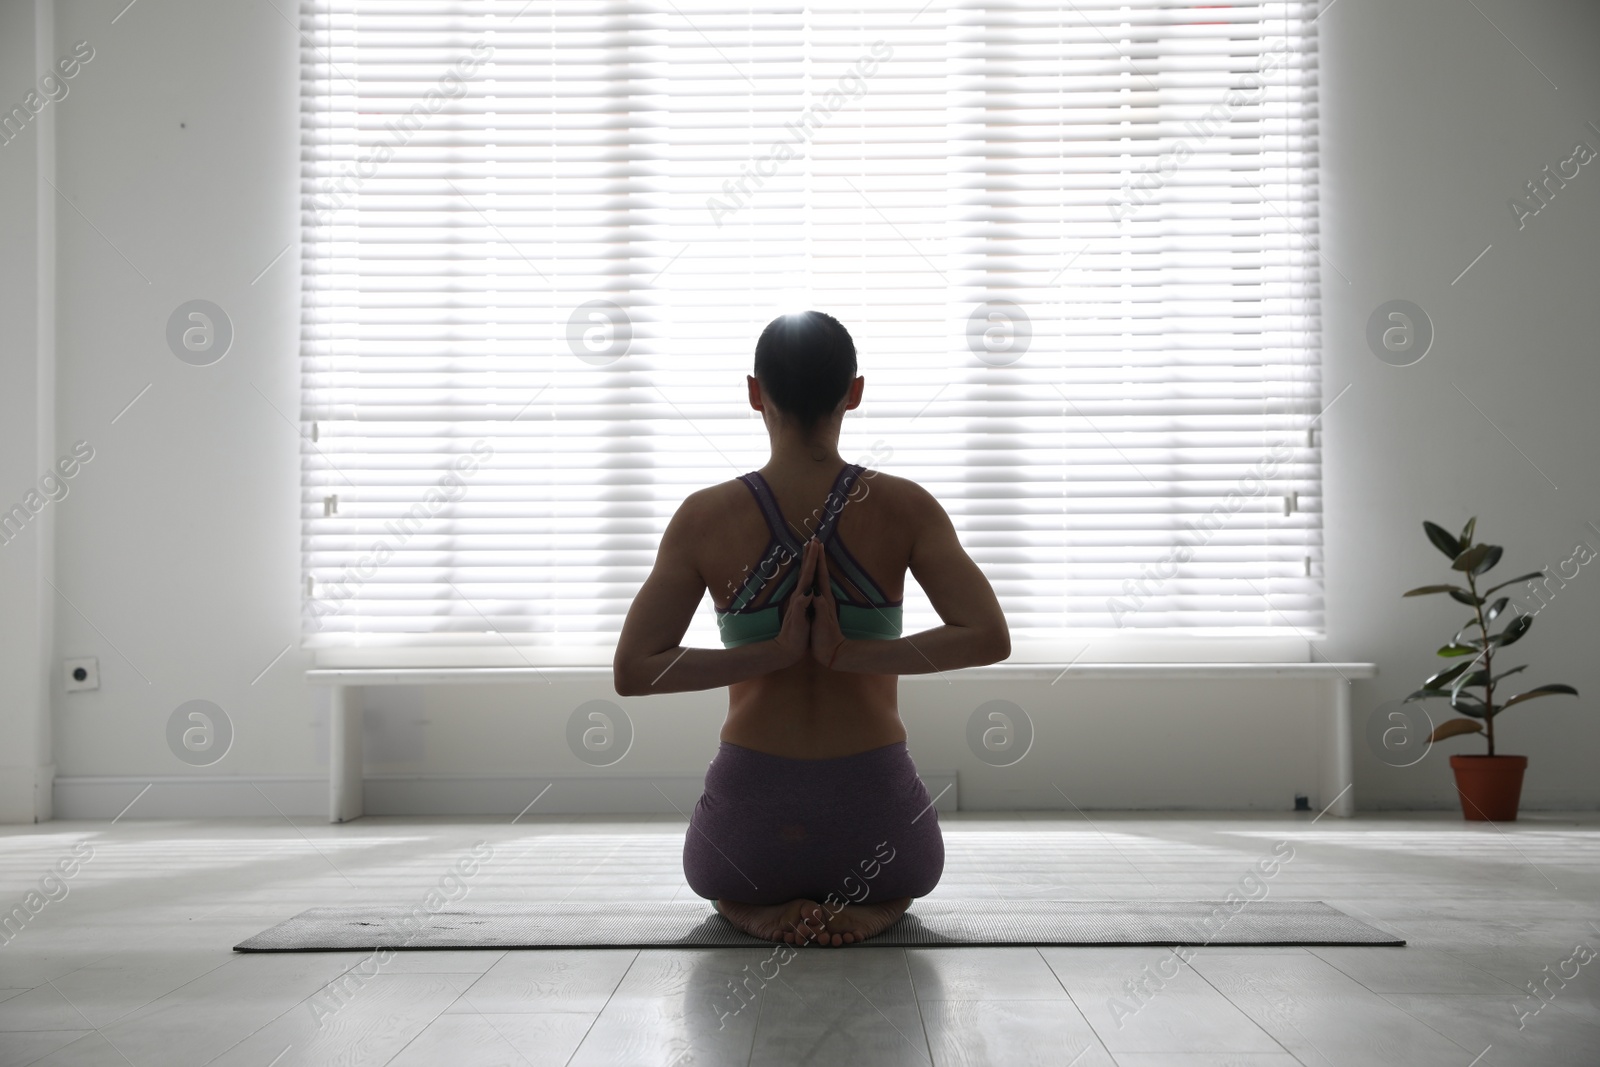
[
  {"x": 799, "y": 922},
  {"x": 857, "y": 922}
]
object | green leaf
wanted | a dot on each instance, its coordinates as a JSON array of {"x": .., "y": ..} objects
[
  {"x": 1466, "y": 532},
  {"x": 1513, "y": 632},
  {"x": 1496, "y": 608},
  {"x": 1541, "y": 691},
  {"x": 1442, "y": 540},
  {"x": 1423, "y": 590},
  {"x": 1472, "y": 707},
  {"x": 1465, "y": 597},
  {"x": 1454, "y": 649},
  {"x": 1514, "y": 581},
  {"x": 1471, "y": 559},
  {"x": 1488, "y": 561},
  {"x": 1449, "y": 674},
  {"x": 1454, "y": 727},
  {"x": 1507, "y": 674},
  {"x": 1475, "y": 678}
]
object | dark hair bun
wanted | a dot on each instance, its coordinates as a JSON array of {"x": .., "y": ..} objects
[{"x": 805, "y": 363}]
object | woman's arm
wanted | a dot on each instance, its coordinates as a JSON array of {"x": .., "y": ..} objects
[
  {"x": 649, "y": 658},
  {"x": 974, "y": 630}
]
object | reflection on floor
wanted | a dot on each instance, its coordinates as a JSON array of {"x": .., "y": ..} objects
[{"x": 126, "y": 959}]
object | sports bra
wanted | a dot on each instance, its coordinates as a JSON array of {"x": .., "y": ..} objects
[{"x": 865, "y": 614}]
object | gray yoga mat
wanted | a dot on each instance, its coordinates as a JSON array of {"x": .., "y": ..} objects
[{"x": 693, "y": 924}]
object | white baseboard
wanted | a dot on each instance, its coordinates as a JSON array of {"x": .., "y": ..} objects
[
  {"x": 196, "y": 796},
  {"x": 510, "y": 795},
  {"x": 306, "y": 796}
]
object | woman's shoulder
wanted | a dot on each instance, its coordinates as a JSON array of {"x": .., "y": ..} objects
[
  {"x": 906, "y": 497},
  {"x": 712, "y": 522},
  {"x": 713, "y": 500},
  {"x": 904, "y": 503}
]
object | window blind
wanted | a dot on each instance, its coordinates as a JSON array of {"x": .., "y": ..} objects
[{"x": 1075, "y": 243}]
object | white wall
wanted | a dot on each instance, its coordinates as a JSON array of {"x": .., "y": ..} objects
[
  {"x": 1432, "y": 122},
  {"x": 180, "y": 541}
]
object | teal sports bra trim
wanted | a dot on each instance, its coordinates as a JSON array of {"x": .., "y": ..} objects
[
  {"x": 855, "y": 622},
  {"x": 869, "y": 617}
]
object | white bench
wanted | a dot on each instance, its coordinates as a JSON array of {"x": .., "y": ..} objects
[{"x": 1335, "y": 774}]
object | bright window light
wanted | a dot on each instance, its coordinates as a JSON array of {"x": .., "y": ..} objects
[{"x": 1076, "y": 243}]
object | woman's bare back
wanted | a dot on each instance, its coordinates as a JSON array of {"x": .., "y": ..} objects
[
  {"x": 814, "y": 689},
  {"x": 806, "y": 711}
]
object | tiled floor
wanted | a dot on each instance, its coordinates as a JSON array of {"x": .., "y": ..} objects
[{"x": 133, "y": 965}]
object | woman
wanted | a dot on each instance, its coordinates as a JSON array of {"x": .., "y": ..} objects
[{"x": 813, "y": 825}]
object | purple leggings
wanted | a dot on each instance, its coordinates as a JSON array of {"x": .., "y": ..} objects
[{"x": 770, "y": 829}]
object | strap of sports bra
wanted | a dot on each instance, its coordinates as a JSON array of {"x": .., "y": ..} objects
[
  {"x": 769, "y": 509},
  {"x": 783, "y": 548},
  {"x": 832, "y": 507}
]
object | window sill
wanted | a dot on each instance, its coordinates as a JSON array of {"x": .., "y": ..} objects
[
  {"x": 1081, "y": 649},
  {"x": 1011, "y": 672}
]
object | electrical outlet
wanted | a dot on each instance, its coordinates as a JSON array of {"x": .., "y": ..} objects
[{"x": 81, "y": 674}]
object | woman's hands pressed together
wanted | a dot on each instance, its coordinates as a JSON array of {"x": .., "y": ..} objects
[
  {"x": 811, "y": 618},
  {"x": 794, "y": 636},
  {"x": 826, "y": 637}
]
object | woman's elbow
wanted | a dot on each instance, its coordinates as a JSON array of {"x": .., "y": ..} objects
[
  {"x": 622, "y": 679},
  {"x": 999, "y": 645},
  {"x": 626, "y": 687}
]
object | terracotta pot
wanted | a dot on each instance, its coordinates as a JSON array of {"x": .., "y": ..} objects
[{"x": 1490, "y": 786}]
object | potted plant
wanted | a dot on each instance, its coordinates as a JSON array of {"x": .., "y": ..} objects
[{"x": 1490, "y": 785}]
